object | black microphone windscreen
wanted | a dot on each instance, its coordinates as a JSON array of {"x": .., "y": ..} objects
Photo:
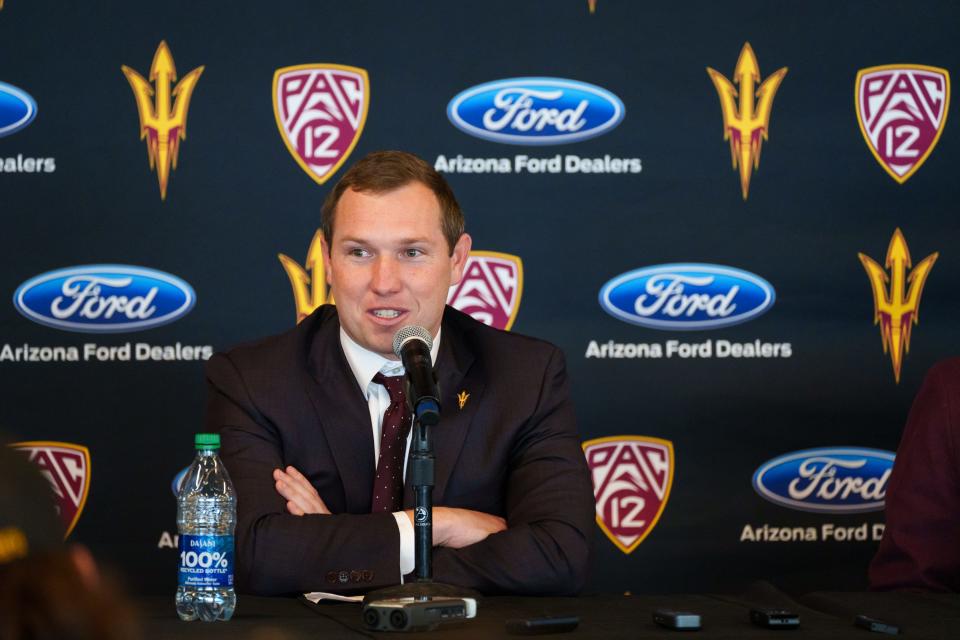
[{"x": 412, "y": 332}]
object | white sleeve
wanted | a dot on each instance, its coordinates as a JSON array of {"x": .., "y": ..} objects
[{"x": 407, "y": 557}]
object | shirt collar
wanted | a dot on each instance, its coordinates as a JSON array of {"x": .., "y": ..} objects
[{"x": 365, "y": 363}]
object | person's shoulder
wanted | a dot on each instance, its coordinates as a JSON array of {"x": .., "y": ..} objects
[
  {"x": 491, "y": 342},
  {"x": 281, "y": 349},
  {"x": 936, "y": 406},
  {"x": 945, "y": 373}
]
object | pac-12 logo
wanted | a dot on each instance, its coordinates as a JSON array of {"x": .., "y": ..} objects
[
  {"x": 535, "y": 111},
  {"x": 687, "y": 296},
  {"x": 902, "y": 110},
  {"x": 632, "y": 477},
  {"x": 17, "y": 109},
  {"x": 320, "y": 110},
  {"x": 827, "y": 480},
  {"x": 490, "y": 289},
  {"x": 106, "y": 298},
  {"x": 67, "y": 468}
]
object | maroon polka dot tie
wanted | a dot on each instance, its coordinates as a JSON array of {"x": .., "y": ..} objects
[{"x": 388, "y": 484}]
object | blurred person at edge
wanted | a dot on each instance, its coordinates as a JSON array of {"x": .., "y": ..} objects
[
  {"x": 49, "y": 590},
  {"x": 300, "y": 417},
  {"x": 920, "y": 549}
]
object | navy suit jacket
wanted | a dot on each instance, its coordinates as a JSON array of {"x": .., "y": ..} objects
[{"x": 512, "y": 450}]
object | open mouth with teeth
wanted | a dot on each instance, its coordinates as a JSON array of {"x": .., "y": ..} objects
[{"x": 386, "y": 314}]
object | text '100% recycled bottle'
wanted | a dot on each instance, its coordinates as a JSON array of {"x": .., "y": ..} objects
[{"x": 206, "y": 516}]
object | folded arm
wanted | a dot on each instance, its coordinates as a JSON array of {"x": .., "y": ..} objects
[
  {"x": 549, "y": 508},
  {"x": 277, "y": 551}
]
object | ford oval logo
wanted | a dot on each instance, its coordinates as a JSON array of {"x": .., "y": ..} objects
[
  {"x": 106, "y": 298},
  {"x": 178, "y": 481},
  {"x": 17, "y": 109},
  {"x": 686, "y": 296},
  {"x": 535, "y": 111},
  {"x": 827, "y": 480}
]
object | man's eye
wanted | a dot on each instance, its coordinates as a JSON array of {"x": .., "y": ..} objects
[
  {"x": 412, "y": 253},
  {"x": 357, "y": 252}
]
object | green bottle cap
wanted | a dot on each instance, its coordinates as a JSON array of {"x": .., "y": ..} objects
[{"x": 206, "y": 441}]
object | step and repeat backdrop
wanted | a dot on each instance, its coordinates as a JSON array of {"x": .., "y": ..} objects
[{"x": 739, "y": 221}]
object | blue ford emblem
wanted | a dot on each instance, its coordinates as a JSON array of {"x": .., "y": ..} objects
[
  {"x": 177, "y": 481},
  {"x": 108, "y": 298},
  {"x": 827, "y": 480},
  {"x": 17, "y": 109},
  {"x": 535, "y": 111},
  {"x": 686, "y": 296}
]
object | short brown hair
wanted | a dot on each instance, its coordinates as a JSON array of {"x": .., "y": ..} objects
[{"x": 383, "y": 171}]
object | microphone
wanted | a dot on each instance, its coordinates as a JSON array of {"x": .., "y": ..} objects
[{"x": 412, "y": 344}]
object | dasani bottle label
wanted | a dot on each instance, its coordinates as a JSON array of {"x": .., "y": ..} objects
[{"x": 206, "y": 561}]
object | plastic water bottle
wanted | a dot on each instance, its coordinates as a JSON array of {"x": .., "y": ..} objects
[{"x": 206, "y": 516}]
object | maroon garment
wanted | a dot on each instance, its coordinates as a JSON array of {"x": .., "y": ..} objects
[
  {"x": 388, "y": 485},
  {"x": 921, "y": 545}
]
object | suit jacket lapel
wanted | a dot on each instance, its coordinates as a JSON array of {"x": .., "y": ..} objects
[
  {"x": 454, "y": 361},
  {"x": 341, "y": 412}
]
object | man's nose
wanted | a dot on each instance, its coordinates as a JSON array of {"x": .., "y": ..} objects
[{"x": 386, "y": 275}]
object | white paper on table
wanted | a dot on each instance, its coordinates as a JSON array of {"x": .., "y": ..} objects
[{"x": 317, "y": 596}]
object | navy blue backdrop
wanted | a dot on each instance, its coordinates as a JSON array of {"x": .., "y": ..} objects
[{"x": 715, "y": 464}]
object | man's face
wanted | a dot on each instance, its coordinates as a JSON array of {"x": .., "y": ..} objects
[{"x": 388, "y": 264}]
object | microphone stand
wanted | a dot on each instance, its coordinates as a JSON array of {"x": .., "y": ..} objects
[{"x": 426, "y": 415}]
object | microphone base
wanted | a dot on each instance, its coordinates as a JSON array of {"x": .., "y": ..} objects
[{"x": 421, "y": 591}]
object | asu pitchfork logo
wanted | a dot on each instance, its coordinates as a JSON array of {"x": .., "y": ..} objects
[
  {"x": 163, "y": 121},
  {"x": 896, "y": 310},
  {"x": 746, "y": 113},
  {"x": 309, "y": 282}
]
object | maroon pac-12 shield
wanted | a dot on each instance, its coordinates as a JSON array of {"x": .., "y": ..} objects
[
  {"x": 902, "y": 109},
  {"x": 632, "y": 477},
  {"x": 67, "y": 468},
  {"x": 320, "y": 111},
  {"x": 490, "y": 289}
]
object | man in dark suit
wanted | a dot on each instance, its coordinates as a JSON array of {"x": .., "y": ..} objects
[
  {"x": 921, "y": 543},
  {"x": 311, "y": 420}
]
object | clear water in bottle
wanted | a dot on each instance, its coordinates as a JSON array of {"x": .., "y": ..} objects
[{"x": 206, "y": 516}]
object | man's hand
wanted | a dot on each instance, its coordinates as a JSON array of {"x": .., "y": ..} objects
[
  {"x": 458, "y": 528},
  {"x": 301, "y": 497}
]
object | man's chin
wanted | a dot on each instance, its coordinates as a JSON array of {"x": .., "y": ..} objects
[{"x": 381, "y": 341}]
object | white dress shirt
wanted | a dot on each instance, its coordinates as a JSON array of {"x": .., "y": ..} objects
[{"x": 365, "y": 364}]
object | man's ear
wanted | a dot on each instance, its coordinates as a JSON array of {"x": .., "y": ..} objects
[
  {"x": 325, "y": 251},
  {"x": 461, "y": 251}
]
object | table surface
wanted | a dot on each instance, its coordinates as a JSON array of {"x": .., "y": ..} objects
[{"x": 822, "y": 615}]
